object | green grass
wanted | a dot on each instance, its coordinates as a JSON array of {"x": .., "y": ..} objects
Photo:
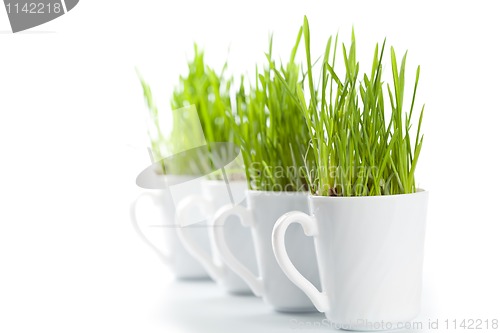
[
  {"x": 209, "y": 92},
  {"x": 308, "y": 128},
  {"x": 157, "y": 138},
  {"x": 270, "y": 126},
  {"x": 359, "y": 147}
]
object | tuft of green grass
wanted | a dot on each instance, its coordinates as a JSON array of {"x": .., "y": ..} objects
[
  {"x": 209, "y": 92},
  {"x": 157, "y": 137},
  {"x": 359, "y": 147},
  {"x": 270, "y": 126}
]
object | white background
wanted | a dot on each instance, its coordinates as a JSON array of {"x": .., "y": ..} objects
[{"x": 72, "y": 138}]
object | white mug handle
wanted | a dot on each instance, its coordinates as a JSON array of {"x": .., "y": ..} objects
[
  {"x": 310, "y": 227},
  {"x": 166, "y": 257},
  {"x": 206, "y": 259},
  {"x": 246, "y": 219}
]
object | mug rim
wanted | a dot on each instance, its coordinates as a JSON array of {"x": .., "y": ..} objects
[
  {"x": 218, "y": 181},
  {"x": 418, "y": 192},
  {"x": 164, "y": 181},
  {"x": 276, "y": 193}
]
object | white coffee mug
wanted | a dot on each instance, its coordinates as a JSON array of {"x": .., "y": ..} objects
[
  {"x": 215, "y": 194},
  {"x": 370, "y": 256},
  {"x": 271, "y": 283},
  {"x": 181, "y": 263}
]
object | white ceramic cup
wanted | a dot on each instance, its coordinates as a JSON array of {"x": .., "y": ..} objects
[
  {"x": 370, "y": 256},
  {"x": 181, "y": 263},
  {"x": 271, "y": 283},
  {"x": 214, "y": 195}
]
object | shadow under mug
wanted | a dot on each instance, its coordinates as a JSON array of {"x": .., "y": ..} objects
[
  {"x": 181, "y": 263},
  {"x": 370, "y": 256},
  {"x": 214, "y": 195},
  {"x": 264, "y": 208}
]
